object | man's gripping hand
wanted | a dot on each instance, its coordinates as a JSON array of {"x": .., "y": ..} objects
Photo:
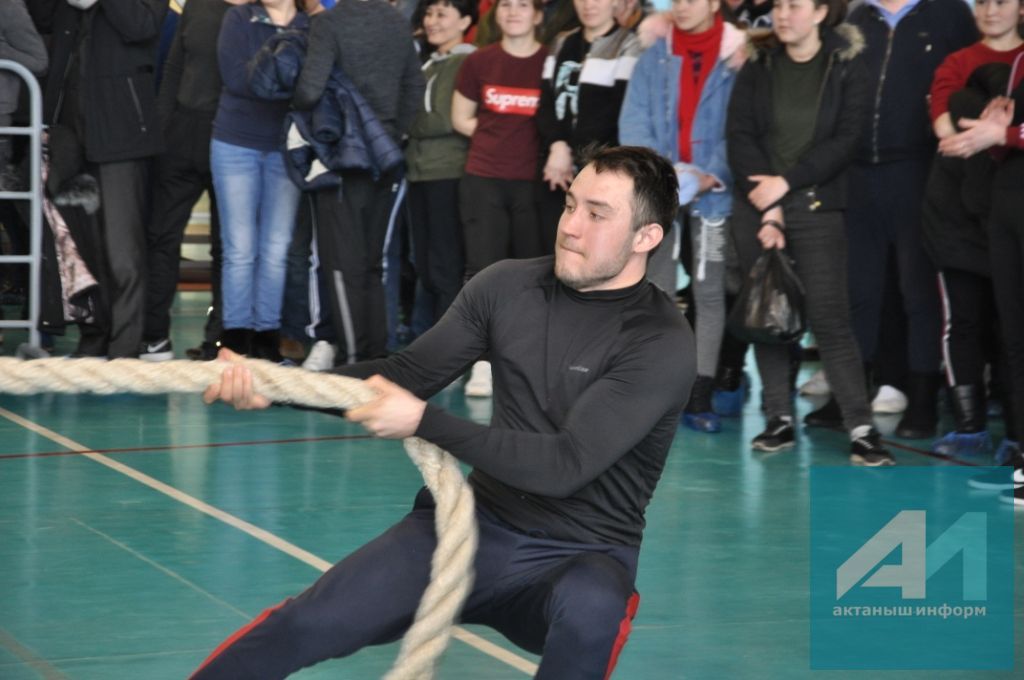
[
  {"x": 235, "y": 386},
  {"x": 395, "y": 413}
]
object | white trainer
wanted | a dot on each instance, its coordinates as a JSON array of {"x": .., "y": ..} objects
[
  {"x": 816, "y": 385},
  {"x": 321, "y": 357},
  {"x": 480, "y": 383},
  {"x": 889, "y": 400}
]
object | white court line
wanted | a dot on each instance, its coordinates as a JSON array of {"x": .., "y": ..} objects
[
  {"x": 156, "y": 565},
  {"x": 459, "y": 633}
]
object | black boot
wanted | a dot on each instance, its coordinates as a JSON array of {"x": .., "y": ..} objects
[
  {"x": 970, "y": 438},
  {"x": 238, "y": 340},
  {"x": 969, "y": 408},
  {"x": 267, "y": 345},
  {"x": 921, "y": 418}
]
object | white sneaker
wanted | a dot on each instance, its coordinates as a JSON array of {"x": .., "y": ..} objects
[
  {"x": 816, "y": 386},
  {"x": 321, "y": 357},
  {"x": 889, "y": 400},
  {"x": 479, "y": 383}
]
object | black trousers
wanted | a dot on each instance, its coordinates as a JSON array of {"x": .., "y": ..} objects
[
  {"x": 181, "y": 175},
  {"x": 499, "y": 217},
  {"x": 351, "y": 227},
  {"x": 885, "y": 213},
  {"x": 124, "y": 188},
  {"x": 969, "y": 318},
  {"x": 573, "y": 602},
  {"x": 817, "y": 244},
  {"x": 438, "y": 252},
  {"x": 1006, "y": 249}
]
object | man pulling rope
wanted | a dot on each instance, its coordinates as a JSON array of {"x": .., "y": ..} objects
[{"x": 592, "y": 366}]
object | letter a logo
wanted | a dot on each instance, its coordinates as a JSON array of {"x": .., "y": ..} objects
[{"x": 907, "y": 530}]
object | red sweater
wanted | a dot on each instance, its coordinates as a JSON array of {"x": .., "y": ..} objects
[{"x": 953, "y": 73}]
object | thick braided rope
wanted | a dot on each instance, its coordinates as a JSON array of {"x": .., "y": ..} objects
[{"x": 452, "y": 563}]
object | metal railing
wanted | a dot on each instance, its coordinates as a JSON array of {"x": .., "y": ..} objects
[{"x": 34, "y": 195}]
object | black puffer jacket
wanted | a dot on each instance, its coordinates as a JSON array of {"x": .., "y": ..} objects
[
  {"x": 116, "y": 42},
  {"x": 819, "y": 176}
]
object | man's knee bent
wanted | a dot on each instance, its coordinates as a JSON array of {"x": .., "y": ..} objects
[{"x": 592, "y": 595}]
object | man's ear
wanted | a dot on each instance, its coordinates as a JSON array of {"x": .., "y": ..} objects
[{"x": 647, "y": 237}]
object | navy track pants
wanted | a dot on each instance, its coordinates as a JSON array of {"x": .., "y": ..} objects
[{"x": 571, "y": 602}]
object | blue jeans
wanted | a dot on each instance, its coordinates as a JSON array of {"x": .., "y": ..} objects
[{"x": 257, "y": 204}]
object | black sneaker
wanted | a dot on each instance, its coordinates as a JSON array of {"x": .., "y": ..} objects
[
  {"x": 156, "y": 351},
  {"x": 778, "y": 435},
  {"x": 868, "y": 450}
]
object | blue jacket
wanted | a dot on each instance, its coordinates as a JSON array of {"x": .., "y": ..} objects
[
  {"x": 340, "y": 133},
  {"x": 650, "y": 113}
]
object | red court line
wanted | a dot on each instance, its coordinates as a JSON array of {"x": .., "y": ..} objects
[
  {"x": 216, "y": 445},
  {"x": 932, "y": 454}
]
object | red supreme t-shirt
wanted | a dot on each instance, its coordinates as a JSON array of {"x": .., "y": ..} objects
[{"x": 506, "y": 90}]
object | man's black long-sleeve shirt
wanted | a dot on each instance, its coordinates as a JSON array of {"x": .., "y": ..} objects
[{"x": 587, "y": 393}]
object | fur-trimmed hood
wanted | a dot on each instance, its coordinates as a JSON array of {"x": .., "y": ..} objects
[{"x": 845, "y": 40}]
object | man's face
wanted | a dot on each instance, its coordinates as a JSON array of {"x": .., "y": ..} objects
[{"x": 594, "y": 248}]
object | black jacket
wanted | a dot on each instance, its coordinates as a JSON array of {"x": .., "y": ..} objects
[
  {"x": 116, "y": 43},
  {"x": 819, "y": 176},
  {"x": 957, "y": 198},
  {"x": 900, "y": 65}
]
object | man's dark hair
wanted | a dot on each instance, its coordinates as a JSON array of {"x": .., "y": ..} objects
[{"x": 655, "y": 187}]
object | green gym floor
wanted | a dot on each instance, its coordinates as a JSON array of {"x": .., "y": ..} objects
[{"x": 136, "y": 533}]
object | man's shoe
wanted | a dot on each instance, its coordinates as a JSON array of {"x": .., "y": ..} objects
[
  {"x": 963, "y": 444},
  {"x": 777, "y": 435},
  {"x": 321, "y": 357},
  {"x": 480, "y": 383},
  {"x": 889, "y": 400},
  {"x": 828, "y": 416},
  {"x": 160, "y": 350},
  {"x": 816, "y": 385},
  {"x": 867, "y": 450}
]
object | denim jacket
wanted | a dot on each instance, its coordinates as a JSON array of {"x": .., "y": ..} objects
[{"x": 650, "y": 113}]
